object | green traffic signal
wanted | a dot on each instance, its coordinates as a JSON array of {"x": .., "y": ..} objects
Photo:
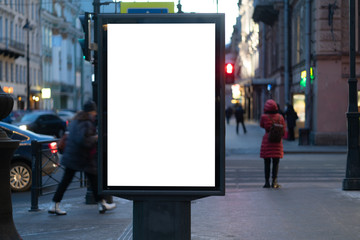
[{"x": 85, "y": 42}]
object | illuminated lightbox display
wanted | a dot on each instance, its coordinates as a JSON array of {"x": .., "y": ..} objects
[{"x": 160, "y": 116}]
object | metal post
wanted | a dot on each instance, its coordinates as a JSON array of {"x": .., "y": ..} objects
[
  {"x": 308, "y": 92},
  {"x": 35, "y": 177},
  {"x": 304, "y": 133},
  {"x": 28, "y": 28},
  {"x": 352, "y": 180},
  {"x": 96, "y": 5},
  {"x": 286, "y": 53}
]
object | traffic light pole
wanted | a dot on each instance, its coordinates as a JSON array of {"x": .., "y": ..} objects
[{"x": 96, "y": 5}]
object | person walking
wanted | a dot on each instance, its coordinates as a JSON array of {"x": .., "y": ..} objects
[
  {"x": 291, "y": 117},
  {"x": 228, "y": 113},
  {"x": 271, "y": 151},
  {"x": 79, "y": 155},
  {"x": 239, "y": 115}
]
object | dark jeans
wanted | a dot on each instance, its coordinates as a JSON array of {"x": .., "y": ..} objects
[
  {"x": 237, "y": 126},
  {"x": 66, "y": 180},
  {"x": 275, "y": 167}
]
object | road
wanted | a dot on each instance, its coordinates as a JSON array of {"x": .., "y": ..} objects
[{"x": 248, "y": 170}]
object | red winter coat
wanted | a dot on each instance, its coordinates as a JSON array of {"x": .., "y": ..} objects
[{"x": 269, "y": 149}]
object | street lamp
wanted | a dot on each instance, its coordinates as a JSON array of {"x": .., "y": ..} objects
[
  {"x": 116, "y": 2},
  {"x": 28, "y": 28},
  {"x": 352, "y": 180}
]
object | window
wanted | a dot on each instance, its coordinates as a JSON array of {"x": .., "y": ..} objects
[
  {"x": 1, "y": 66},
  {"x": 20, "y": 74},
  {"x": 18, "y": 136},
  {"x": 6, "y": 31},
  {"x": 17, "y": 74},
  {"x": 35, "y": 79},
  {"x": 298, "y": 32},
  {"x": 6, "y": 72},
  {"x": 11, "y": 30},
  {"x": 16, "y": 32},
  {"x": 12, "y": 72},
  {"x": 24, "y": 76},
  {"x": 1, "y": 27}
]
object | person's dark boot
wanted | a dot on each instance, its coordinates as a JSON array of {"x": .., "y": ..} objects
[
  {"x": 267, "y": 172},
  {"x": 275, "y": 171},
  {"x": 267, "y": 184},
  {"x": 275, "y": 184}
]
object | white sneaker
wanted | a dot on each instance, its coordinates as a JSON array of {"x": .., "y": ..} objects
[
  {"x": 104, "y": 206},
  {"x": 55, "y": 209}
]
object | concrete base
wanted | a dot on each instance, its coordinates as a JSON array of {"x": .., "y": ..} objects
[
  {"x": 161, "y": 220},
  {"x": 351, "y": 184}
]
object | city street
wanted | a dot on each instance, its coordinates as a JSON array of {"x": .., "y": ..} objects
[{"x": 310, "y": 204}]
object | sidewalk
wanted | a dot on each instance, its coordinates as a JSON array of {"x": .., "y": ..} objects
[
  {"x": 300, "y": 210},
  {"x": 250, "y": 142}
]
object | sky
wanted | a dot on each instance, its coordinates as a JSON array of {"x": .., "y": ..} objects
[{"x": 229, "y": 7}]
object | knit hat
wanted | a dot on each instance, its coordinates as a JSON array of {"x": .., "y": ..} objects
[{"x": 89, "y": 106}]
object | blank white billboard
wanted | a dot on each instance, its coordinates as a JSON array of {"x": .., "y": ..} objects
[{"x": 161, "y": 105}]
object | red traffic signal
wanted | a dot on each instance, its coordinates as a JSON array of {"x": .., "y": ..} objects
[
  {"x": 229, "y": 73},
  {"x": 229, "y": 68}
]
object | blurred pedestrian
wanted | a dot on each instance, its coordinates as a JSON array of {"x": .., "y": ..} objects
[
  {"x": 228, "y": 113},
  {"x": 280, "y": 111},
  {"x": 239, "y": 115},
  {"x": 291, "y": 117},
  {"x": 271, "y": 151},
  {"x": 79, "y": 155}
]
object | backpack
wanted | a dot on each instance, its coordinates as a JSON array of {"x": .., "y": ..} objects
[{"x": 276, "y": 131}]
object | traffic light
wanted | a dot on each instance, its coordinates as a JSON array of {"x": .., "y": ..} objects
[
  {"x": 229, "y": 73},
  {"x": 85, "y": 42}
]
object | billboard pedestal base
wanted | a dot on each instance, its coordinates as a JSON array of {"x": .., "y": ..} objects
[{"x": 161, "y": 219}]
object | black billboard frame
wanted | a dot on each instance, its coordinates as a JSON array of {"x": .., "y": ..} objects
[{"x": 139, "y": 192}]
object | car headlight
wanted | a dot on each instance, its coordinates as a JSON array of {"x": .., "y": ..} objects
[{"x": 23, "y": 127}]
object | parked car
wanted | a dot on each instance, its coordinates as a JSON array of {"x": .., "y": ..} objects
[
  {"x": 21, "y": 163},
  {"x": 66, "y": 115},
  {"x": 43, "y": 122}
]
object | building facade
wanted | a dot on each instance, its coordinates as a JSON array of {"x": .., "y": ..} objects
[
  {"x": 296, "y": 37},
  {"x": 49, "y": 30},
  {"x": 15, "y": 39},
  {"x": 61, "y": 55}
]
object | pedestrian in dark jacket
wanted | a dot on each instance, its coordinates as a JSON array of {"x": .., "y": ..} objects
[
  {"x": 280, "y": 111},
  {"x": 79, "y": 155},
  {"x": 228, "y": 113},
  {"x": 239, "y": 115},
  {"x": 291, "y": 117},
  {"x": 271, "y": 150}
]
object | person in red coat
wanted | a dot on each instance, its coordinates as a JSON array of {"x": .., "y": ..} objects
[{"x": 271, "y": 150}]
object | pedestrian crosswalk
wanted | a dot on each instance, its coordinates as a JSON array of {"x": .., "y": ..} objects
[{"x": 247, "y": 176}]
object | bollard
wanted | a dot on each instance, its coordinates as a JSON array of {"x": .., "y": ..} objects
[
  {"x": 36, "y": 175},
  {"x": 7, "y": 149}
]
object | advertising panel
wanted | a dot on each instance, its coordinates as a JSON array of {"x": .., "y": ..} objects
[{"x": 161, "y": 104}]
